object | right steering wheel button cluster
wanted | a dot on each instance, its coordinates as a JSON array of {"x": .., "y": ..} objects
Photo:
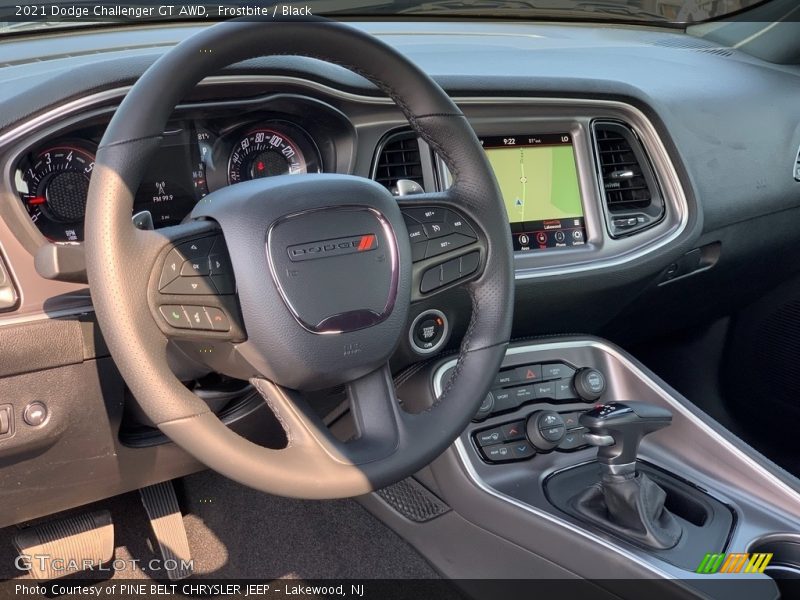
[{"x": 434, "y": 231}]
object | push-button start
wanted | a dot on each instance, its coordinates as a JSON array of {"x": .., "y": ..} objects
[{"x": 428, "y": 332}]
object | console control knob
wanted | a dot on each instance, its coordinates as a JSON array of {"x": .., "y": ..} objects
[
  {"x": 545, "y": 429},
  {"x": 486, "y": 407},
  {"x": 589, "y": 384}
]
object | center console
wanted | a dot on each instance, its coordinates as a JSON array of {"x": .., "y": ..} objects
[{"x": 581, "y": 457}]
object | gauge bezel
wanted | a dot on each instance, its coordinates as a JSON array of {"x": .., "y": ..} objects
[
  {"x": 27, "y": 163},
  {"x": 299, "y": 139}
]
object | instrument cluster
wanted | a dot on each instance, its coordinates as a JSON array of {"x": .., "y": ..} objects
[{"x": 196, "y": 157}]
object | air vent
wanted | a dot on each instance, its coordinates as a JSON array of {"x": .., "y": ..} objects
[
  {"x": 628, "y": 185},
  {"x": 797, "y": 166},
  {"x": 398, "y": 158}
]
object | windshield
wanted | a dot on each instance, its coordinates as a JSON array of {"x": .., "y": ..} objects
[{"x": 65, "y": 13}]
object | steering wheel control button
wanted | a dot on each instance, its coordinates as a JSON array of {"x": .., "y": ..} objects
[
  {"x": 219, "y": 264},
  {"x": 198, "y": 267},
  {"x": 439, "y": 246},
  {"x": 191, "y": 286},
  {"x": 192, "y": 268},
  {"x": 431, "y": 279},
  {"x": 469, "y": 263},
  {"x": 172, "y": 268},
  {"x": 590, "y": 384},
  {"x": 436, "y": 230},
  {"x": 428, "y": 214},
  {"x": 428, "y": 331},
  {"x": 416, "y": 233},
  {"x": 451, "y": 271},
  {"x": 196, "y": 249},
  {"x": 458, "y": 224},
  {"x": 175, "y": 316},
  {"x": 218, "y": 319},
  {"x": 418, "y": 250},
  {"x": 35, "y": 414},
  {"x": 198, "y": 318},
  {"x": 545, "y": 430}
]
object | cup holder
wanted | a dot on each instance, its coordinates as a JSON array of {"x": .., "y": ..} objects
[{"x": 784, "y": 567}]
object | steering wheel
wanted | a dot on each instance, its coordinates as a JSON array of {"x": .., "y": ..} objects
[{"x": 309, "y": 281}]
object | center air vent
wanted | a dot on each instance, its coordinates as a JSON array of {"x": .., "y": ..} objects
[
  {"x": 628, "y": 185},
  {"x": 398, "y": 158}
]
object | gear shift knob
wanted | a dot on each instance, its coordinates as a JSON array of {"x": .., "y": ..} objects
[{"x": 617, "y": 428}]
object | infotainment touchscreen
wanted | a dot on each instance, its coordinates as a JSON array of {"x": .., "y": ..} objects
[{"x": 539, "y": 182}]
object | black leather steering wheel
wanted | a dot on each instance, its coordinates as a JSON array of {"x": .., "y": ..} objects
[{"x": 299, "y": 322}]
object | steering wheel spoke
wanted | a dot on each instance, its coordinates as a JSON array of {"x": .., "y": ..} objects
[
  {"x": 447, "y": 248},
  {"x": 377, "y": 417}
]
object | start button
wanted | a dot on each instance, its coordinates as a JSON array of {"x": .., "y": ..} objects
[{"x": 428, "y": 332}]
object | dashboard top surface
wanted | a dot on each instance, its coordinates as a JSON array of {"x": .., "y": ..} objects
[{"x": 708, "y": 103}]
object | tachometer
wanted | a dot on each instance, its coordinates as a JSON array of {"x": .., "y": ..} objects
[
  {"x": 54, "y": 186},
  {"x": 265, "y": 153}
]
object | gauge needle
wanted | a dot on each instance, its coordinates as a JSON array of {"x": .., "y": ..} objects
[{"x": 36, "y": 200}]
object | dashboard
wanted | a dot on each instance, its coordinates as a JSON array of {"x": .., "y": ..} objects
[{"x": 616, "y": 189}]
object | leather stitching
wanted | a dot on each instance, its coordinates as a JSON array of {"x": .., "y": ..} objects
[{"x": 274, "y": 408}]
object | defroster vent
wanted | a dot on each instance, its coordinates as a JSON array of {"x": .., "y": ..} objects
[{"x": 628, "y": 185}]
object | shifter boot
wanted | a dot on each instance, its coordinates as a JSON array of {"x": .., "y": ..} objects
[{"x": 631, "y": 506}]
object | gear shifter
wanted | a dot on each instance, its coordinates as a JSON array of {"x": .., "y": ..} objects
[
  {"x": 618, "y": 430},
  {"x": 629, "y": 503}
]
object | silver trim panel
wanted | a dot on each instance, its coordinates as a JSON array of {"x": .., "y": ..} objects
[{"x": 762, "y": 499}]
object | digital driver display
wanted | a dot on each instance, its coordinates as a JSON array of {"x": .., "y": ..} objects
[{"x": 539, "y": 182}]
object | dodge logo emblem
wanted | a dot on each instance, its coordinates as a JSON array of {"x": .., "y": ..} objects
[{"x": 335, "y": 247}]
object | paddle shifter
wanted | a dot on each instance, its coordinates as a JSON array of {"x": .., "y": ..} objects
[{"x": 629, "y": 503}]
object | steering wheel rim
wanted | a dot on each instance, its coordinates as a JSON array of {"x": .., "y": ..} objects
[{"x": 121, "y": 260}]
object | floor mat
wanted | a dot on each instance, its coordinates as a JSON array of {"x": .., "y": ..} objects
[{"x": 236, "y": 532}]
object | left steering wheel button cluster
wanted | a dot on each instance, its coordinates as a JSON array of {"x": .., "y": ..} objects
[{"x": 198, "y": 267}]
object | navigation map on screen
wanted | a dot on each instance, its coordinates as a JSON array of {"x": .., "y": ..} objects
[{"x": 539, "y": 182}]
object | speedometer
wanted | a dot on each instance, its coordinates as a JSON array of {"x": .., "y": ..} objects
[{"x": 265, "y": 153}]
